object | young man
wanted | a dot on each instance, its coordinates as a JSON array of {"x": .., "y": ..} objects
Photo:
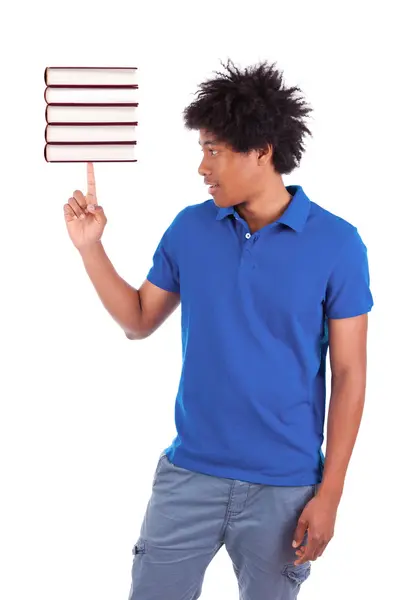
[{"x": 266, "y": 278}]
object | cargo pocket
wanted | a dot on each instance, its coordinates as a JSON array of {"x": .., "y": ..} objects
[
  {"x": 297, "y": 573},
  {"x": 139, "y": 547}
]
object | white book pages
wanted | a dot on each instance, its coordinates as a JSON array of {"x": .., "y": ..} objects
[
  {"x": 91, "y": 76},
  {"x": 89, "y": 153},
  {"x": 91, "y": 133},
  {"x": 91, "y": 95},
  {"x": 91, "y": 114}
]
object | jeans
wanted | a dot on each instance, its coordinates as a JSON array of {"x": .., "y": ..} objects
[{"x": 190, "y": 516}]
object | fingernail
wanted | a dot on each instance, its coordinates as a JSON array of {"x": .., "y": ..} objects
[
  {"x": 90, "y": 206},
  {"x": 294, "y": 544}
]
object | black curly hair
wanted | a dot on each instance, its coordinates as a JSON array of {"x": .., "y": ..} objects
[{"x": 250, "y": 110}]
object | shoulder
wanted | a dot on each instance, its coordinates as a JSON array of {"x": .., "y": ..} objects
[
  {"x": 333, "y": 229},
  {"x": 330, "y": 221},
  {"x": 201, "y": 210},
  {"x": 191, "y": 216},
  {"x": 186, "y": 224}
]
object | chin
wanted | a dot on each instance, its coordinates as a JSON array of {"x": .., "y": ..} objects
[{"x": 221, "y": 202}]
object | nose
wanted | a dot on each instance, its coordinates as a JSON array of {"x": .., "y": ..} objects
[{"x": 203, "y": 170}]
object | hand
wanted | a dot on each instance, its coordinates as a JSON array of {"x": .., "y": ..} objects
[
  {"x": 85, "y": 220},
  {"x": 318, "y": 519}
]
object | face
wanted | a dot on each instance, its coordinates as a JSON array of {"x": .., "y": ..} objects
[{"x": 238, "y": 177}]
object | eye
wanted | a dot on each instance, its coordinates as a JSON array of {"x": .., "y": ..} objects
[{"x": 211, "y": 151}]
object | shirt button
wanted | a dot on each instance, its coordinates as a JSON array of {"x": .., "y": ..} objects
[{"x": 248, "y": 236}]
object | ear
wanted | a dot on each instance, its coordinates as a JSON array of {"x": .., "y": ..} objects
[{"x": 265, "y": 155}]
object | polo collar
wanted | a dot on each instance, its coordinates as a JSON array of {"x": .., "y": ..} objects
[{"x": 295, "y": 216}]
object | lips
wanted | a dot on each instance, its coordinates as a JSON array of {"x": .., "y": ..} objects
[{"x": 213, "y": 186}]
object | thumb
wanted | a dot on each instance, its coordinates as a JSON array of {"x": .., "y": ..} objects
[
  {"x": 97, "y": 211},
  {"x": 300, "y": 532}
]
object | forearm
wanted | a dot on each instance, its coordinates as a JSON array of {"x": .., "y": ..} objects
[
  {"x": 344, "y": 418},
  {"x": 121, "y": 300}
]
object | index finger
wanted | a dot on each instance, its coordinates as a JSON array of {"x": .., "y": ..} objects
[
  {"x": 307, "y": 553},
  {"x": 91, "y": 185}
]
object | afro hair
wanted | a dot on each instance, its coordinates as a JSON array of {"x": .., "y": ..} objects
[{"x": 250, "y": 110}]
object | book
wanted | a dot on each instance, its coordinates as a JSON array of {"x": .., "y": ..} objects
[
  {"x": 91, "y": 114},
  {"x": 106, "y": 114},
  {"x": 83, "y": 152},
  {"x": 90, "y": 133},
  {"x": 67, "y": 95},
  {"x": 90, "y": 76}
]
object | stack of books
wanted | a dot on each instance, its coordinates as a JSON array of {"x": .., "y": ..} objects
[{"x": 91, "y": 114}]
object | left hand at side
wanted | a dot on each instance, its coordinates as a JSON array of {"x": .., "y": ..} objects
[{"x": 318, "y": 520}]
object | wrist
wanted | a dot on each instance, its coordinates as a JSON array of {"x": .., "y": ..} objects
[
  {"x": 90, "y": 249},
  {"x": 330, "y": 492}
]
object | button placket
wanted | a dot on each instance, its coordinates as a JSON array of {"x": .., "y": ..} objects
[{"x": 247, "y": 248}]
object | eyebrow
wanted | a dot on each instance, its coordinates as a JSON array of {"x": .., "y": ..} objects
[{"x": 209, "y": 143}]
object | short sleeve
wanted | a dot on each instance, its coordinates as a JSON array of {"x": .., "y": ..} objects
[
  {"x": 164, "y": 272},
  {"x": 348, "y": 291}
]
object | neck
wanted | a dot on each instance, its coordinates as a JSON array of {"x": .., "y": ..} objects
[{"x": 266, "y": 206}]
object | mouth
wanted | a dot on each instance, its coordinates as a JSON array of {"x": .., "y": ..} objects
[{"x": 212, "y": 188}]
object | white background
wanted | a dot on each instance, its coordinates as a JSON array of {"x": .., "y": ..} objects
[{"x": 85, "y": 413}]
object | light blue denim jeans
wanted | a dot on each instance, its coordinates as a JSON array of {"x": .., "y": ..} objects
[{"x": 190, "y": 516}]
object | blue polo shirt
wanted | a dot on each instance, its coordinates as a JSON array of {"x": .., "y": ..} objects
[{"x": 251, "y": 398}]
